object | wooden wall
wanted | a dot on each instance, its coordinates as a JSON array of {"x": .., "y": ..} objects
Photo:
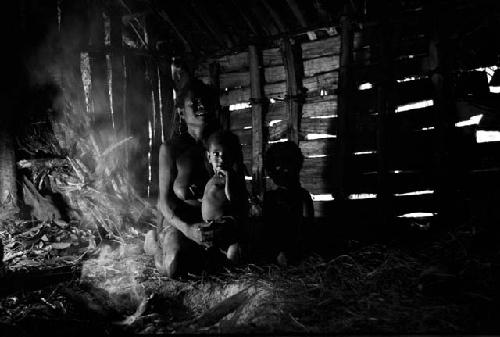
[{"x": 393, "y": 150}]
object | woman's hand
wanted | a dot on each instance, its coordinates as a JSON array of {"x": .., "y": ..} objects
[{"x": 202, "y": 233}]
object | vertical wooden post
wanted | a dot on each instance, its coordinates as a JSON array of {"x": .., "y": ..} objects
[
  {"x": 8, "y": 187},
  {"x": 117, "y": 70},
  {"x": 257, "y": 100},
  {"x": 345, "y": 91},
  {"x": 99, "y": 90},
  {"x": 221, "y": 113},
  {"x": 167, "y": 110},
  {"x": 292, "y": 59},
  {"x": 384, "y": 108},
  {"x": 440, "y": 63}
]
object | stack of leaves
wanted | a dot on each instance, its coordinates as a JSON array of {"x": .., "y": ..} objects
[{"x": 33, "y": 243}]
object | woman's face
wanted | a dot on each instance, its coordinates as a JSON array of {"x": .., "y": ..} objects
[{"x": 195, "y": 110}]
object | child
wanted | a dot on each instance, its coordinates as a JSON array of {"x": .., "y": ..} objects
[
  {"x": 288, "y": 209},
  {"x": 224, "y": 204}
]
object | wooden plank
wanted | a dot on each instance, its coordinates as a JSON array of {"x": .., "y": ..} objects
[
  {"x": 234, "y": 63},
  {"x": 324, "y": 106},
  {"x": 292, "y": 60},
  {"x": 276, "y": 110},
  {"x": 320, "y": 65},
  {"x": 275, "y": 90},
  {"x": 317, "y": 146},
  {"x": 319, "y": 126},
  {"x": 235, "y": 96},
  {"x": 240, "y": 119},
  {"x": 275, "y": 74},
  {"x": 326, "y": 81},
  {"x": 258, "y": 182},
  {"x": 271, "y": 57},
  {"x": 277, "y": 131},
  {"x": 234, "y": 80},
  {"x": 320, "y": 48}
]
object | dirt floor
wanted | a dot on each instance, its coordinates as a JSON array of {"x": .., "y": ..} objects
[{"x": 448, "y": 285}]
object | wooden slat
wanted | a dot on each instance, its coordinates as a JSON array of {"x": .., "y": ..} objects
[
  {"x": 233, "y": 63},
  {"x": 327, "y": 81},
  {"x": 319, "y": 48},
  {"x": 317, "y": 146},
  {"x": 234, "y": 80},
  {"x": 275, "y": 74},
  {"x": 320, "y": 65},
  {"x": 271, "y": 57},
  {"x": 276, "y": 111},
  {"x": 275, "y": 90},
  {"x": 239, "y": 119},
  {"x": 277, "y": 131},
  {"x": 324, "y": 106},
  {"x": 235, "y": 96},
  {"x": 319, "y": 126}
]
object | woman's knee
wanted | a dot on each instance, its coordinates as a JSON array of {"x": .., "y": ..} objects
[
  {"x": 234, "y": 253},
  {"x": 171, "y": 250}
]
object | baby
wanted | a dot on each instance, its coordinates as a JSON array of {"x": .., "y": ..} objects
[
  {"x": 224, "y": 204},
  {"x": 288, "y": 209}
]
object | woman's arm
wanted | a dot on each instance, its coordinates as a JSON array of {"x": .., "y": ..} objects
[{"x": 167, "y": 200}]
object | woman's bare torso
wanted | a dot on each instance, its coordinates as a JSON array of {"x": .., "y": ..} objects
[{"x": 192, "y": 174}]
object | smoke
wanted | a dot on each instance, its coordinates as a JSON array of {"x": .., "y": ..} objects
[{"x": 117, "y": 274}]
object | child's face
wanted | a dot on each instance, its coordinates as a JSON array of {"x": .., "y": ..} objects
[
  {"x": 219, "y": 157},
  {"x": 285, "y": 173}
]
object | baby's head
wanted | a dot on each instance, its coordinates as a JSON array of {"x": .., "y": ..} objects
[
  {"x": 224, "y": 150},
  {"x": 283, "y": 162}
]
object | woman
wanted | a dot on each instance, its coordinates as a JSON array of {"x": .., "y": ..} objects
[{"x": 183, "y": 173}]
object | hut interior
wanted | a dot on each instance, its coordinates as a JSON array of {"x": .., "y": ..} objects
[{"x": 394, "y": 104}]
